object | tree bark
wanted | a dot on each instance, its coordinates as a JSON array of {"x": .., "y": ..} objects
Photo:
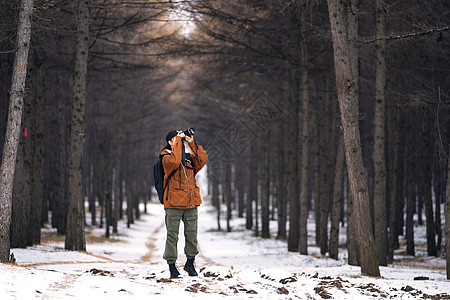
[
  {"x": 353, "y": 32},
  {"x": 227, "y": 193},
  {"x": 75, "y": 237},
  {"x": 304, "y": 138},
  {"x": 428, "y": 201},
  {"x": 253, "y": 187},
  {"x": 292, "y": 168},
  {"x": 346, "y": 81},
  {"x": 378, "y": 155},
  {"x": 92, "y": 195},
  {"x": 265, "y": 184},
  {"x": 215, "y": 197},
  {"x": 240, "y": 186},
  {"x": 21, "y": 198},
  {"x": 117, "y": 170},
  {"x": 323, "y": 200},
  {"x": 20, "y": 214},
  {"x": 411, "y": 188},
  {"x": 316, "y": 169},
  {"x": 60, "y": 204},
  {"x": 281, "y": 184},
  {"x": 337, "y": 199},
  {"x": 447, "y": 216},
  {"x": 438, "y": 200},
  {"x": 13, "y": 127},
  {"x": 37, "y": 197},
  {"x": 352, "y": 244},
  {"x": 393, "y": 183}
]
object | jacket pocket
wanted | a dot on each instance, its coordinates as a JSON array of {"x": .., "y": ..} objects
[
  {"x": 179, "y": 197},
  {"x": 197, "y": 197}
]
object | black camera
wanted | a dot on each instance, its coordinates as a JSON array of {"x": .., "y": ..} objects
[{"x": 189, "y": 132}]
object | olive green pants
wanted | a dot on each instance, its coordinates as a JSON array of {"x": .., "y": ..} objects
[{"x": 189, "y": 218}]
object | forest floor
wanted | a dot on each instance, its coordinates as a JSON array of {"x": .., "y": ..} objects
[{"x": 237, "y": 265}]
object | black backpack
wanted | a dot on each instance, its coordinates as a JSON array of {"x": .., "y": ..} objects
[{"x": 158, "y": 178}]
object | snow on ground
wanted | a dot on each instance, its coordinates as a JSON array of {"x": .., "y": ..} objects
[{"x": 235, "y": 264}]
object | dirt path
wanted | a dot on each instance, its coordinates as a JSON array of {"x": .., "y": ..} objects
[
  {"x": 72, "y": 269},
  {"x": 151, "y": 244}
]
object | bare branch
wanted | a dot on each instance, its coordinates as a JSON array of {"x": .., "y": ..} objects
[{"x": 406, "y": 35}]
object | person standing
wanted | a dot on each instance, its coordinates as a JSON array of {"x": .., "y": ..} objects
[{"x": 182, "y": 196}]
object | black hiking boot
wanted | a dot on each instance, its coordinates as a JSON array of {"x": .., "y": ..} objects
[
  {"x": 189, "y": 267},
  {"x": 173, "y": 271}
]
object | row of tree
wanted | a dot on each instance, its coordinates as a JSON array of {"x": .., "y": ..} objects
[
  {"x": 87, "y": 131},
  {"x": 385, "y": 109},
  {"x": 365, "y": 146}
]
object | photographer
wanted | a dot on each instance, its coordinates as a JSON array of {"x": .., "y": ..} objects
[{"x": 182, "y": 195}]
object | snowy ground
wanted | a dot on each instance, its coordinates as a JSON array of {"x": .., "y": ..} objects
[{"x": 236, "y": 265}]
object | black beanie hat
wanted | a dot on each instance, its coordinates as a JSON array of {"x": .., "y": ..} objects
[{"x": 171, "y": 134}]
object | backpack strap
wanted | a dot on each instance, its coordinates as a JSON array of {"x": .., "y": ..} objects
[{"x": 168, "y": 178}]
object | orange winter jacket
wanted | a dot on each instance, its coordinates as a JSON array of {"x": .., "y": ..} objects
[{"x": 183, "y": 190}]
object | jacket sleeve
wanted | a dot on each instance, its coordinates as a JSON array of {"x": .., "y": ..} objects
[
  {"x": 201, "y": 157},
  {"x": 173, "y": 161}
]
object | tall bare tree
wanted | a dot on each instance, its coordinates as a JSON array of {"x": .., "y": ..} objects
[
  {"x": 447, "y": 216},
  {"x": 304, "y": 135},
  {"x": 337, "y": 199},
  {"x": 354, "y": 54},
  {"x": 427, "y": 182},
  {"x": 378, "y": 155},
  {"x": 349, "y": 107},
  {"x": 265, "y": 184},
  {"x": 75, "y": 237},
  {"x": 13, "y": 127}
]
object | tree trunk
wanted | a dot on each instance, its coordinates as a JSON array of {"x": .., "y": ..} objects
[
  {"x": 215, "y": 197},
  {"x": 265, "y": 184},
  {"x": 438, "y": 200},
  {"x": 346, "y": 84},
  {"x": 323, "y": 200},
  {"x": 402, "y": 177},
  {"x": 130, "y": 195},
  {"x": 292, "y": 168},
  {"x": 352, "y": 244},
  {"x": 21, "y": 193},
  {"x": 411, "y": 189},
  {"x": 393, "y": 182},
  {"x": 253, "y": 188},
  {"x": 257, "y": 187},
  {"x": 227, "y": 193},
  {"x": 37, "y": 181},
  {"x": 304, "y": 138},
  {"x": 13, "y": 127},
  {"x": 92, "y": 195},
  {"x": 447, "y": 217},
  {"x": 281, "y": 184},
  {"x": 107, "y": 197},
  {"x": 379, "y": 160},
  {"x": 316, "y": 170},
  {"x": 59, "y": 207},
  {"x": 75, "y": 237},
  {"x": 115, "y": 198},
  {"x": 337, "y": 199},
  {"x": 21, "y": 198},
  {"x": 428, "y": 201},
  {"x": 240, "y": 186}
]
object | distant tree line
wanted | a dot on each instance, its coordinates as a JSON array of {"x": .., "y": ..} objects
[
  {"x": 265, "y": 56},
  {"x": 109, "y": 132},
  {"x": 335, "y": 109}
]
